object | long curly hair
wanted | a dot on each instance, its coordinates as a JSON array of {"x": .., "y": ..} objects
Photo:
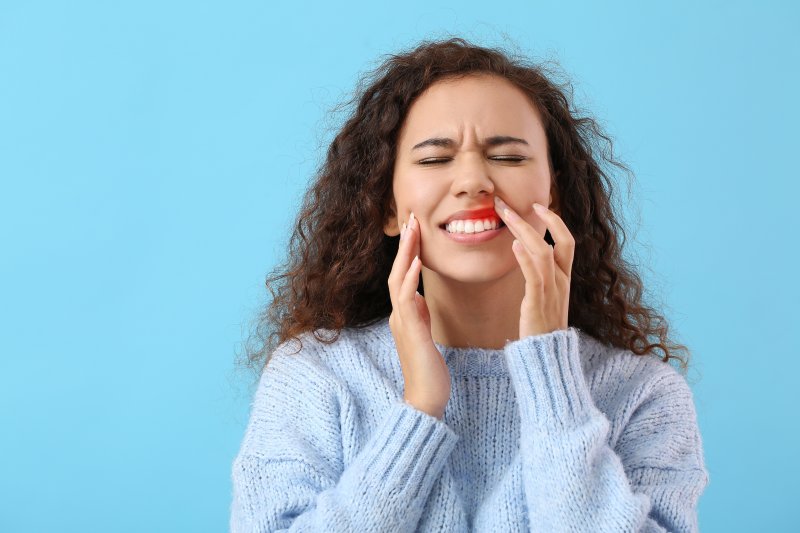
[{"x": 338, "y": 262}]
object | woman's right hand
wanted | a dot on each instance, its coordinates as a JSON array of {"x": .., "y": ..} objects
[{"x": 427, "y": 379}]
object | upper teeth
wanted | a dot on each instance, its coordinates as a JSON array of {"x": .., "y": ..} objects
[{"x": 472, "y": 226}]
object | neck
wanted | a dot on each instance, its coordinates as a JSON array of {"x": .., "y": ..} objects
[{"x": 484, "y": 315}]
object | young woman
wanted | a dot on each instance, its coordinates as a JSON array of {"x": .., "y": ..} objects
[{"x": 458, "y": 344}]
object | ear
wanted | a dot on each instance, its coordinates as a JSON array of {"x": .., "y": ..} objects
[{"x": 392, "y": 227}]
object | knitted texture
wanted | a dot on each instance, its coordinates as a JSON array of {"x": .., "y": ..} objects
[{"x": 554, "y": 432}]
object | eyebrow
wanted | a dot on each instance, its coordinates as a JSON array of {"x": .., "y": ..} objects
[{"x": 497, "y": 140}]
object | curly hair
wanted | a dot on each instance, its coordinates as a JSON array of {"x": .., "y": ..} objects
[{"x": 339, "y": 258}]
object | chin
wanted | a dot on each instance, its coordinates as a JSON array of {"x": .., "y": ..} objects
[{"x": 475, "y": 272}]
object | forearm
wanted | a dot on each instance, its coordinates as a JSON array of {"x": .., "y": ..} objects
[
  {"x": 573, "y": 480},
  {"x": 383, "y": 489}
]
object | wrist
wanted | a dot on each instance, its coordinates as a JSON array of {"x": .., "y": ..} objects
[{"x": 429, "y": 410}]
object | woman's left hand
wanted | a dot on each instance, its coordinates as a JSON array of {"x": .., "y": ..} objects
[{"x": 547, "y": 269}]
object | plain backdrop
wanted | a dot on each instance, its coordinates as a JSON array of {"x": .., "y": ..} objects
[{"x": 152, "y": 159}]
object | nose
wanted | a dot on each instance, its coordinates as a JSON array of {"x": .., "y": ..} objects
[{"x": 471, "y": 175}]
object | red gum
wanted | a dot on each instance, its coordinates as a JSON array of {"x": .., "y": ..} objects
[{"x": 478, "y": 214}]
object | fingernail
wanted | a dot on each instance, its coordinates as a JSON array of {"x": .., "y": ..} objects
[
  {"x": 499, "y": 202},
  {"x": 411, "y": 218},
  {"x": 509, "y": 215},
  {"x": 402, "y": 231},
  {"x": 540, "y": 208}
]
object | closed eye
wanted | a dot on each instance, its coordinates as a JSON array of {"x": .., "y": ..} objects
[{"x": 508, "y": 159}]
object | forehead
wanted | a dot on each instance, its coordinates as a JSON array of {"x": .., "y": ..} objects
[{"x": 487, "y": 104}]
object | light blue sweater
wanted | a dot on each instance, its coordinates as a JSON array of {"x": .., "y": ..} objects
[{"x": 554, "y": 432}]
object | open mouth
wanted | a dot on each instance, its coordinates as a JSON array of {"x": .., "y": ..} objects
[{"x": 473, "y": 229}]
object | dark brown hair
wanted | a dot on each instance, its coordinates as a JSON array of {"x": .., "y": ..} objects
[{"x": 339, "y": 258}]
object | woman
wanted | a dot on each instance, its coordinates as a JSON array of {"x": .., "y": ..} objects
[{"x": 513, "y": 386}]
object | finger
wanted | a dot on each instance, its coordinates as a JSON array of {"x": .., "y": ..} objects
[
  {"x": 409, "y": 247},
  {"x": 534, "y": 280},
  {"x": 564, "y": 251},
  {"x": 529, "y": 238},
  {"x": 415, "y": 236},
  {"x": 408, "y": 290},
  {"x": 520, "y": 227},
  {"x": 402, "y": 262}
]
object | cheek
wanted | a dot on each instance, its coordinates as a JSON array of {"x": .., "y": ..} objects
[
  {"x": 539, "y": 192},
  {"x": 419, "y": 195},
  {"x": 524, "y": 188}
]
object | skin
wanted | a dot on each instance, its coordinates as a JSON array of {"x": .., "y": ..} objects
[{"x": 475, "y": 295}]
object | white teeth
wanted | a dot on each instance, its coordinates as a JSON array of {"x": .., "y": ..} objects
[{"x": 471, "y": 226}]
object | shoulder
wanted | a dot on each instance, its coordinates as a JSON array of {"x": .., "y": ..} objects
[
  {"x": 620, "y": 367},
  {"x": 625, "y": 385},
  {"x": 296, "y": 394},
  {"x": 328, "y": 358},
  {"x": 313, "y": 381},
  {"x": 298, "y": 375},
  {"x": 646, "y": 400}
]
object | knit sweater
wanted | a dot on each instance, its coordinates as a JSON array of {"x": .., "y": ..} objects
[{"x": 554, "y": 432}]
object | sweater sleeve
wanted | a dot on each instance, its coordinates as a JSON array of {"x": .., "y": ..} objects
[
  {"x": 573, "y": 480},
  {"x": 289, "y": 473}
]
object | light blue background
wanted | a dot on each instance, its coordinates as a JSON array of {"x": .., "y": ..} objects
[{"x": 152, "y": 157}]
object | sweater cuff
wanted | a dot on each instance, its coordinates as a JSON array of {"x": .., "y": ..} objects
[
  {"x": 548, "y": 379},
  {"x": 405, "y": 456}
]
